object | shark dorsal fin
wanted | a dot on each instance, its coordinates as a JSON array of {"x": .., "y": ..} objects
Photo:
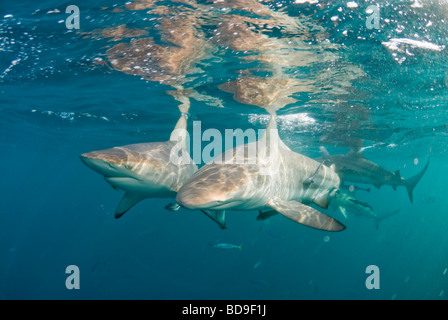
[
  {"x": 271, "y": 138},
  {"x": 269, "y": 134},
  {"x": 324, "y": 152},
  {"x": 272, "y": 129},
  {"x": 179, "y": 133},
  {"x": 356, "y": 153}
]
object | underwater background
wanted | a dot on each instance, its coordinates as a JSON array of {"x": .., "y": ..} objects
[{"x": 382, "y": 89}]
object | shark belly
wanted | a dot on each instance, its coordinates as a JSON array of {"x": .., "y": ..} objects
[{"x": 148, "y": 189}]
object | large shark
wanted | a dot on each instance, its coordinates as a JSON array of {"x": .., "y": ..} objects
[
  {"x": 272, "y": 177},
  {"x": 354, "y": 167},
  {"x": 145, "y": 170}
]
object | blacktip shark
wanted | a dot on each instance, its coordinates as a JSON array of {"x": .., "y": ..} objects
[
  {"x": 345, "y": 204},
  {"x": 354, "y": 167},
  {"x": 145, "y": 170},
  {"x": 273, "y": 177}
]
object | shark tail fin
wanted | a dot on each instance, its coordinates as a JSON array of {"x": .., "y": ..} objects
[
  {"x": 379, "y": 219},
  {"x": 412, "y": 182},
  {"x": 240, "y": 247}
]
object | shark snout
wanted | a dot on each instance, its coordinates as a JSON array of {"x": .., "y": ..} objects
[
  {"x": 198, "y": 198},
  {"x": 104, "y": 162},
  {"x": 212, "y": 189},
  {"x": 96, "y": 164},
  {"x": 190, "y": 199},
  {"x": 210, "y": 198}
]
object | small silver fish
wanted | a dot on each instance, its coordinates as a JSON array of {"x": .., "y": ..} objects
[{"x": 227, "y": 246}]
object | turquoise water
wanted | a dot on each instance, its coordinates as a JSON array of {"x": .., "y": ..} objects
[{"x": 382, "y": 90}]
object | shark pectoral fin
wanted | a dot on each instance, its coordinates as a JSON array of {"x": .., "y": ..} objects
[
  {"x": 219, "y": 216},
  {"x": 305, "y": 215},
  {"x": 266, "y": 214},
  {"x": 127, "y": 202},
  {"x": 322, "y": 200}
]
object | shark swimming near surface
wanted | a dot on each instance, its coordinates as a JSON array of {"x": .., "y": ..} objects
[
  {"x": 354, "y": 167},
  {"x": 272, "y": 177},
  {"x": 145, "y": 170}
]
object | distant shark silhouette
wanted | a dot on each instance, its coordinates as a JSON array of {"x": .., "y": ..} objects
[
  {"x": 345, "y": 204},
  {"x": 145, "y": 170},
  {"x": 276, "y": 181},
  {"x": 354, "y": 167}
]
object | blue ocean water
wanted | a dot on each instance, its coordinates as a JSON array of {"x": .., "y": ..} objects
[{"x": 383, "y": 89}]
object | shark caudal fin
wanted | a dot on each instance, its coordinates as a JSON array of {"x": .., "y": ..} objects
[
  {"x": 412, "y": 182},
  {"x": 384, "y": 216}
]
